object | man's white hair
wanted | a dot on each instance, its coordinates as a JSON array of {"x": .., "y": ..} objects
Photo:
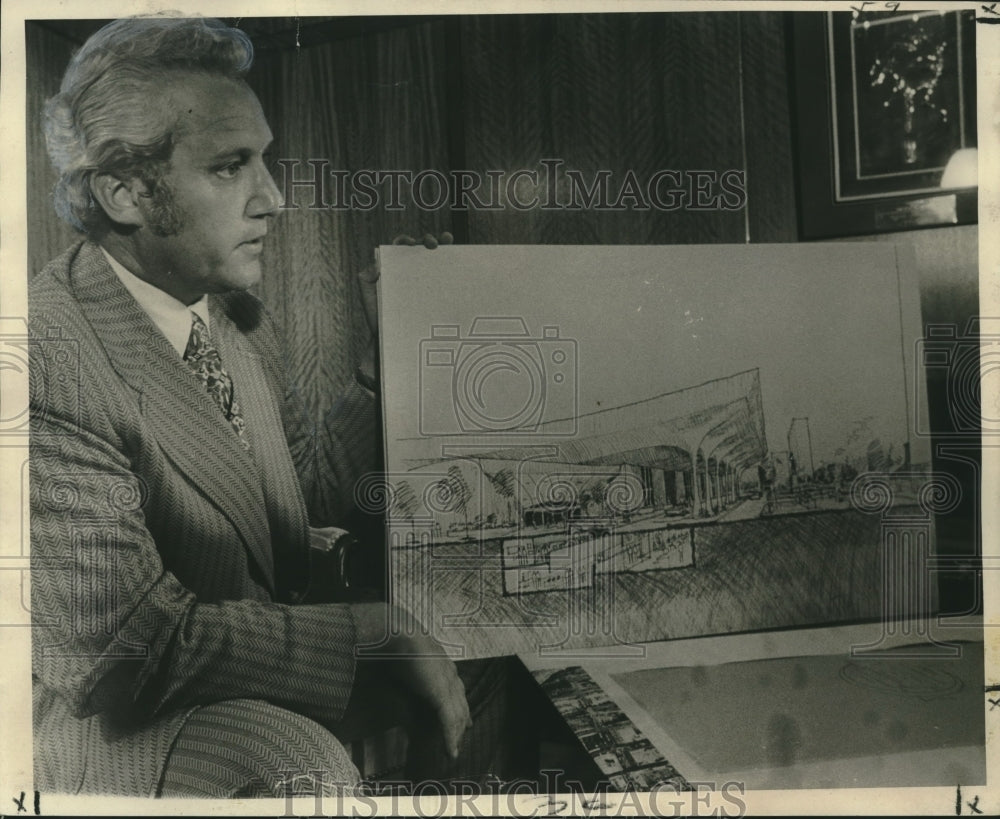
[{"x": 109, "y": 117}]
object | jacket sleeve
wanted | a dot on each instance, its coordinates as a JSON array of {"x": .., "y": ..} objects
[{"x": 113, "y": 631}]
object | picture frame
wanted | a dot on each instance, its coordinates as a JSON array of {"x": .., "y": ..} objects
[{"x": 882, "y": 102}]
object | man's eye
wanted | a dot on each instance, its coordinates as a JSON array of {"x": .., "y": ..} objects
[{"x": 231, "y": 170}]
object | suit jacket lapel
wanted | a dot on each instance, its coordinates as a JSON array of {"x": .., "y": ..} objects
[
  {"x": 286, "y": 511},
  {"x": 186, "y": 422}
]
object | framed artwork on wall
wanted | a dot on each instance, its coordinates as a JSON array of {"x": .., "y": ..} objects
[{"x": 885, "y": 121}]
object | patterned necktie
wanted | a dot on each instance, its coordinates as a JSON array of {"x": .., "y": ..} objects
[{"x": 204, "y": 360}]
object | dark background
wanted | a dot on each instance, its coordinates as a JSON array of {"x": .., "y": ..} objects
[{"x": 618, "y": 91}]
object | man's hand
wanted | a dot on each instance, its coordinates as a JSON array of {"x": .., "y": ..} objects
[
  {"x": 368, "y": 278},
  {"x": 415, "y": 660}
]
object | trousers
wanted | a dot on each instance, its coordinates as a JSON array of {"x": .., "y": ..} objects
[{"x": 251, "y": 748}]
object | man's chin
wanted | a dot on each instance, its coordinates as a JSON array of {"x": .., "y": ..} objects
[{"x": 244, "y": 278}]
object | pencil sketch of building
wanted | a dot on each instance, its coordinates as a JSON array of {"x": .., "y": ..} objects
[
  {"x": 627, "y": 493},
  {"x": 703, "y": 484}
]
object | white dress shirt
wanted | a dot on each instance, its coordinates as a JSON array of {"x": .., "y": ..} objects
[{"x": 172, "y": 317}]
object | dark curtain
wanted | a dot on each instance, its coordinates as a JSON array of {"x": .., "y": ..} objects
[
  {"x": 362, "y": 103},
  {"x": 47, "y": 55}
]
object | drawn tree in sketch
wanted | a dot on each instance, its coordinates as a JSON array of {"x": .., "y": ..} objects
[
  {"x": 404, "y": 504},
  {"x": 594, "y": 491},
  {"x": 458, "y": 492},
  {"x": 502, "y": 482}
]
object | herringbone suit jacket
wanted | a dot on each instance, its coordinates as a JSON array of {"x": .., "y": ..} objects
[{"x": 165, "y": 558}]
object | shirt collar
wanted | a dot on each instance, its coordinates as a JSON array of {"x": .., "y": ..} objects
[{"x": 171, "y": 317}]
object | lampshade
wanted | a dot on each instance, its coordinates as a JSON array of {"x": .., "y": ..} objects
[{"x": 962, "y": 170}]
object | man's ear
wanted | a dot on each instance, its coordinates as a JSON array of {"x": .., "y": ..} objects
[{"x": 119, "y": 198}]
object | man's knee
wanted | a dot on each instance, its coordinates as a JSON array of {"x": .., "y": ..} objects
[{"x": 254, "y": 748}]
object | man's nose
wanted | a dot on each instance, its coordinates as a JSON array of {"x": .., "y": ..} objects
[{"x": 266, "y": 199}]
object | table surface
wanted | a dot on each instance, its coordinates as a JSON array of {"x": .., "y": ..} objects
[{"x": 840, "y": 706}]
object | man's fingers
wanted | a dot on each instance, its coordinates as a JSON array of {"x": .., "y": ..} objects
[
  {"x": 371, "y": 272},
  {"x": 429, "y": 240},
  {"x": 455, "y": 721},
  {"x": 453, "y": 709},
  {"x": 432, "y": 675}
]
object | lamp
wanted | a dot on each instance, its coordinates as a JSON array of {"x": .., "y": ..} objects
[{"x": 962, "y": 170}]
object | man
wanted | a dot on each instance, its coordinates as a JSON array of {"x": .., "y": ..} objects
[{"x": 170, "y": 465}]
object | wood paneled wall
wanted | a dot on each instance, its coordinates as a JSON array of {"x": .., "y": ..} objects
[
  {"x": 47, "y": 54},
  {"x": 614, "y": 92}
]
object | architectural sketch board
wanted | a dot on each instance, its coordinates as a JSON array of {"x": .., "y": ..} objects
[{"x": 543, "y": 405}]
